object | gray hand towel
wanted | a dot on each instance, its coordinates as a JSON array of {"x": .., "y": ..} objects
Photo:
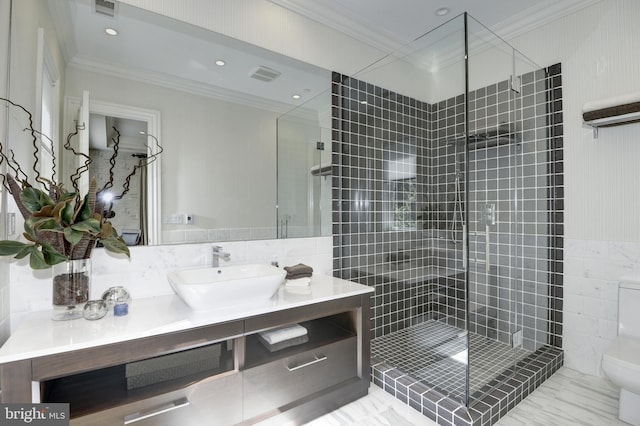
[{"x": 298, "y": 271}]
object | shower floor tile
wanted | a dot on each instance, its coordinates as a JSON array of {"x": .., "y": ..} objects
[{"x": 435, "y": 353}]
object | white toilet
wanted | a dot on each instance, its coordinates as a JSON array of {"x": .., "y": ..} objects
[{"x": 621, "y": 361}]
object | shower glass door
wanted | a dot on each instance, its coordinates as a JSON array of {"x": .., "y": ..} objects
[{"x": 501, "y": 113}]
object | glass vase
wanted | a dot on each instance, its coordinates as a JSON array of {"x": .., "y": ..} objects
[{"x": 71, "y": 284}]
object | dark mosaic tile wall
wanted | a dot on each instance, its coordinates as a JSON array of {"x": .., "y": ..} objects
[
  {"x": 372, "y": 128},
  {"x": 516, "y": 150},
  {"x": 416, "y": 272}
]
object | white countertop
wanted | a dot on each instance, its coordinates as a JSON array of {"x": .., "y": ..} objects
[{"x": 38, "y": 335}]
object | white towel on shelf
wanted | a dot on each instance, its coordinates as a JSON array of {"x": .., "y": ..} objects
[
  {"x": 298, "y": 282},
  {"x": 281, "y": 334}
]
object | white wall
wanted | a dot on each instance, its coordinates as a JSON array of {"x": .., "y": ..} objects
[{"x": 598, "y": 48}]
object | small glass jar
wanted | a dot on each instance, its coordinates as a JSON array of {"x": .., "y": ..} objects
[
  {"x": 95, "y": 309},
  {"x": 117, "y": 298},
  {"x": 71, "y": 284}
]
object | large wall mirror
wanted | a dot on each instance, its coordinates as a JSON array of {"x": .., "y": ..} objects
[{"x": 212, "y": 101}]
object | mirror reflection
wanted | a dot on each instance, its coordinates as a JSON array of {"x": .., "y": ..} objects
[
  {"x": 129, "y": 214},
  {"x": 212, "y": 101}
]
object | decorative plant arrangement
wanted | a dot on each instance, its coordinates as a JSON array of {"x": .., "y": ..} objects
[{"x": 59, "y": 225}]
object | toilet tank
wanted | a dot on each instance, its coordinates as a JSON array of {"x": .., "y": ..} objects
[{"x": 629, "y": 308}]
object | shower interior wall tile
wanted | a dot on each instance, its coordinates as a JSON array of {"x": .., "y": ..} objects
[
  {"x": 592, "y": 273},
  {"x": 520, "y": 243}
]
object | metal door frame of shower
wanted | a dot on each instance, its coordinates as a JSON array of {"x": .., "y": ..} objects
[
  {"x": 465, "y": 231},
  {"x": 514, "y": 303}
]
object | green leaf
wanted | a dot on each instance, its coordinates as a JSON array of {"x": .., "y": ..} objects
[
  {"x": 45, "y": 200},
  {"x": 51, "y": 256},
  {"x": 115, "y": 245},
  {"x": 72, "y": 235},
  {"x": 85, "y": 212},
  {"x": 66, "y": 214},
  {"x": 36, "y": 261},
  {"x": 25, "y": 252},
  {"x": 29, "y": 228},
  {"x": 31, "y": 199},
  {"x": 90, "y": 225},
  {"x": 10, "y": 247},
  {"x": 47, "y": 224}
]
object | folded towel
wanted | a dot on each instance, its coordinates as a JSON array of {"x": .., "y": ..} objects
[
  {"x": 281, "y": 334},
  {"x": 623, "y": 105},
  {"x": 614, "y": 101},
  {"x": 284, "y": 344},
  {"x": 298, "y": 271},
  {"x": 297, "y": 276},
  {"x": 298, "y": 282}
]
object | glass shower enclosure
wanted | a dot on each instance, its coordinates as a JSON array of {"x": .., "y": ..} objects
[{"x": 443, "y": 198}]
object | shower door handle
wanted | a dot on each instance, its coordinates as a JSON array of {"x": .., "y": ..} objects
[
  {"x": 464, "y": 247},
  {"x": 487, "y": 253}
]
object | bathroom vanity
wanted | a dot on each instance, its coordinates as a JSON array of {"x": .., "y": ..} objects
[{"x": 165, "y": 364}]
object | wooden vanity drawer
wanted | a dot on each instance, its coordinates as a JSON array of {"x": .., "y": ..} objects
[
  {"x": 210, "y": 401},
  {"x": 281, "y": 382}
]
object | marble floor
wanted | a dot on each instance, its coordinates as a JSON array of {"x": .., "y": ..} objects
[{"x": 567, "y": 398}]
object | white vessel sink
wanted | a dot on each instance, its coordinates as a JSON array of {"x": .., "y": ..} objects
[{"x": 225, "y": 286}]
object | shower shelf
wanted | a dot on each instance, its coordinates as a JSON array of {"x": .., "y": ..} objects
[{"x": 487, "y": 139}]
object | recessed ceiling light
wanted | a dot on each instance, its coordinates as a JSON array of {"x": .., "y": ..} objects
[
  {"x": 220, "y": 63},
  {"x": 296, "y": 96},
  {"x": 111, "y": 31},
  {"x": 441, "y": 11}
]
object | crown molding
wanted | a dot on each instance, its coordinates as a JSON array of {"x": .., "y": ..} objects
[
  {"x": 538, "y": 15},
  {"x": 344, "y": 21},
  {"x": 180, "y": 84}
]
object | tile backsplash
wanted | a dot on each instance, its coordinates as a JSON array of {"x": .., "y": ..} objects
[{"x": 145, "y": 274}]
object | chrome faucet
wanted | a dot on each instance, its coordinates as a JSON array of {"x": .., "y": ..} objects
[{"x": 217, "y": 255}]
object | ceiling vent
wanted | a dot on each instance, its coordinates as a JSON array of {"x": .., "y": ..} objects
[
  {"x": 265, "y": 74},
  {"x": 106, "y": 7}
]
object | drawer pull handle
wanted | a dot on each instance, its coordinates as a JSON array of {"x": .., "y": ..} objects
[
  {"x": 306, "y": 364},
  {"x": 132, "y": 418}
]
